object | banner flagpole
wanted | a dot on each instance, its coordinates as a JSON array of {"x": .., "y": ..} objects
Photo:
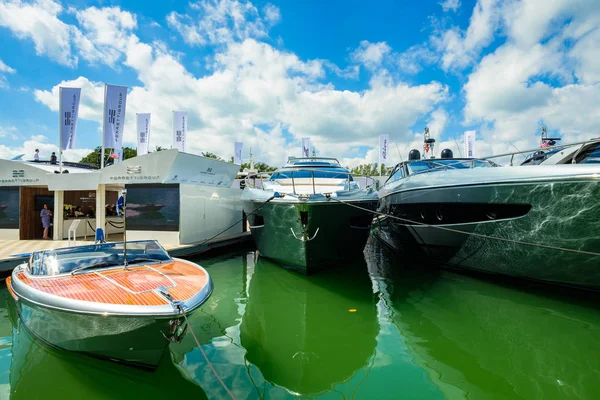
[
  {"x": 103, "y": 129},
  {"x": 60, "y": 143}
]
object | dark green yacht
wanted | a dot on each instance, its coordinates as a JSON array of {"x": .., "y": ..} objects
[{"x": 303, "y": 215}]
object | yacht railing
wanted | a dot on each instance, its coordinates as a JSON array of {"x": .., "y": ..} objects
[
  {"x": 559, "y": 146},
  {"x": 260, "y": 175},
  {"x": 472, "y": 161}
]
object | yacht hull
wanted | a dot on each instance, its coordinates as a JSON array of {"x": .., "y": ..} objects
[
  {"x": 309, "y": 236},
  {"x": 563, "y": 214},
  {"x": 135, "y": 340}
]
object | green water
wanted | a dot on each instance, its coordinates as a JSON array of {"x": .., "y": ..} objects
[{"x": 274, "y": 334}]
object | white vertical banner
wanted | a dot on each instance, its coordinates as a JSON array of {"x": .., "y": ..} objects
[
  {"x": 180, "y": 120},
  {"x": 115, "y": 100},
  {"x": 237, "y": 158},
  {"x": 143, "y": 133},
  {"x": 119, "y": 154},
  {"x": 306, "y": 147},
  {"x": 469, "y": 140},
  {"x": 69, "y": 110},
  {"x": 384, "y": 146}
]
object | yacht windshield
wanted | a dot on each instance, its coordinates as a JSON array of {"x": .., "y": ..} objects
[
  {"x": 330, "y": 173},
  {"x": 61, "y": 261},
  {"x": 590, "y": 156},
  {"x": 417, "y": 167}
]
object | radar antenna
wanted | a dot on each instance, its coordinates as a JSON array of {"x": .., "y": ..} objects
[{"x": 428, "y": 144}]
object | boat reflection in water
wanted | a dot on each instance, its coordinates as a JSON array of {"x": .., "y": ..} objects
[
  {"x": 270, "y": 332},
  {"x": 477, "y": 339},
  {"x": 37, "y": 371},
  {"x": 303, "y": 333}
]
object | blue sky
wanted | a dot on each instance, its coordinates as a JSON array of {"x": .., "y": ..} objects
[{"x": 270, "y": 73}]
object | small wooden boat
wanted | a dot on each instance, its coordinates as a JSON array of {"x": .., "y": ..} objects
[{"x": 124, "y": 303}]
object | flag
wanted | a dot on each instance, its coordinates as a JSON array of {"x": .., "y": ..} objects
[
  {"x": 469, "y": 142},
  {"x": 544, "y": 144},
  {"x": 68, "y": 112},
  {"x": 116, "y": 155},
  {"x": 237, "y": 159},
  {"x": 305, "y": 147},
  {"x": 143, "y": 128},
  {"x": 115, "y": 99},
  {"x": 180, "y": 120},
  {"x": 383, "y": 148}
]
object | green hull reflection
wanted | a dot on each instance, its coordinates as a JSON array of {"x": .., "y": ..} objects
[
  {"x": 299, "y": 331},
  {"x": 329, "y": 233},
  {"x": 417, "y": 334},
  {"x": 478, "y": 339}
]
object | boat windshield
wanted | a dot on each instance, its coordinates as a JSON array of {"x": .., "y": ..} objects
[
  {"x": 329, "y": 173},
  {"x": 432, "y": 165},
  {"x": 103, "y": 255},
  {"x": 590, "y": 155}
]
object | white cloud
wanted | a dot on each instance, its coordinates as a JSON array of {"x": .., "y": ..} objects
[
  {"x": 371, "y": 55},
  {"x": 272, "y": 14},
  {"x": 8, "y": 132},
  {"x": 254, "y": 86},
  {"x": 5, "y": 69},
  {"x": 105, "y": 34},
  {"x": 101, "y": 39},
  {"x": 415, "y": 58},
  {"x": 437, "y": 122},
  {"x": 450, "y": 5},
  {"x": 224, "y": 21},
  {"x": 460, "y": 49},
  {"x": 39, "y": 142},
  {"x": 265, "y": 97},
  {"x": 39, "y": 22}
]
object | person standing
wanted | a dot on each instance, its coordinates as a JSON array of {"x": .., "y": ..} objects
[
  {"x": 53, "y": 158},
  {"x": 36, "y": 156},
  {"x": 46, "y": 216}
]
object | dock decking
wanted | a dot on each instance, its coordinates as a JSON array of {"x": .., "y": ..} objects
[{"x": 13, "y": 252}]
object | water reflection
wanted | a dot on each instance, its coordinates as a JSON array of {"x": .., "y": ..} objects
[
  {"x": 33, "y": 370},
  {"x": 308, "y": 334},
  {"x": 482, "y": 339},
  {"x": 271, "y": 333}
]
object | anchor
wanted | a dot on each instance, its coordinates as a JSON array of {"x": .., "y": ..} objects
[{"x": 305, "y": 237}]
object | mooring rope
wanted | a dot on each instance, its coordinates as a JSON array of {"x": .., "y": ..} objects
[
  {"x": 591, "y": 253},
  {"x": 207, "y": 360},
  {"x": 237, "y": 222}
]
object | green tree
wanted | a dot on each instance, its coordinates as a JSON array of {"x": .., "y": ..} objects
[
  {"x": 159, "y": 148},
  {"x": 371, "y": 170},
  {"x": 259, "y": 166},
  {"x": 208, "y": 154},
  {"x": 93, "y": 158}
]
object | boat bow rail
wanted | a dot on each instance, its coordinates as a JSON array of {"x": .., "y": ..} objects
[{"x": 306, "y": 177}]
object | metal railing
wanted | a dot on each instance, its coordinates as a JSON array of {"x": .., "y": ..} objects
[
  {"x": 560, "y": 146},
  {"x": 348, "y": 175}
]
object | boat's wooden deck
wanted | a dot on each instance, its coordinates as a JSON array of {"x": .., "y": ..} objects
[{"x": 128, "y": 287}]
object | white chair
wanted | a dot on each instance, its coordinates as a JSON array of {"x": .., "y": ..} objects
[{"x": 73, "y": 230}]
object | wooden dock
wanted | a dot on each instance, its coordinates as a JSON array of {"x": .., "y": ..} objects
[{"x": 14, "y": 252}]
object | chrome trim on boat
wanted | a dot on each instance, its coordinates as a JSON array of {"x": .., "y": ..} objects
[{"x": 48, "y": 300}]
